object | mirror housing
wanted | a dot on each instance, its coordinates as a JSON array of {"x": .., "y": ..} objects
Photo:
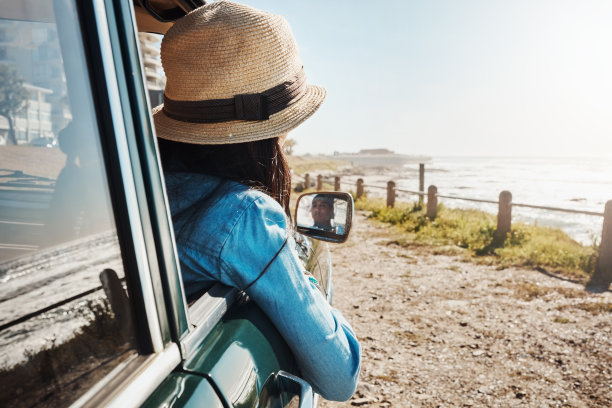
[{"x": 324, "y": 215}]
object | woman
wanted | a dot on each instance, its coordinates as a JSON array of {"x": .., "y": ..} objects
[
  {"x": 322, "y": 212},
  {"x": 235, "y": 87}
]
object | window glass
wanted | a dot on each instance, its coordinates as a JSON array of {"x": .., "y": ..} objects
[
  {"x": 65, "y": 317},
  {"x": 156, "y": 80}
]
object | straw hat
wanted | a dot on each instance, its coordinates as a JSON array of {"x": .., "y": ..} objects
[{"x": 233, "y": 75}]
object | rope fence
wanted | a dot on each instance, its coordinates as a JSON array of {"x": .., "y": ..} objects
[{"x": 603, "y": 271}]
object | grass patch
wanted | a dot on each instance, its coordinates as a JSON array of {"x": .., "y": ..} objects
[
  {"x": 474, "y": 232},
  {"x": 594, "y": 308},
  {"x": 529, "y": 291},
  {"x": 406, "y": 335},
  {"x": 390, "y": 377},
  {"x": 570, "y": 293},
  {"x": 494, "y": 335},
  {"x": 562, "y": 320},
  {"x": 409, "y": 258},
  {"x": 310, "y": 164}
]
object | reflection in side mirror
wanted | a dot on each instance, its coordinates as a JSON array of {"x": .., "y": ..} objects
[{"x": 326, "y": 216}]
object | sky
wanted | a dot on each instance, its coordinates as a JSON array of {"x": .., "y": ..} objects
[{"x": 456, "y": 77}]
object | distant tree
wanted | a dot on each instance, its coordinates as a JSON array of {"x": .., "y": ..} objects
[
  {"x": 289, "y": 145},
  {"x": 13, "y": 97}
]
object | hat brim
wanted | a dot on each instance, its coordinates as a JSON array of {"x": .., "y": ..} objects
[{"x": 240, "y": 131}]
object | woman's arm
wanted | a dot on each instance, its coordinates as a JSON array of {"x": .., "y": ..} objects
[{"x": 322, "y": 341}]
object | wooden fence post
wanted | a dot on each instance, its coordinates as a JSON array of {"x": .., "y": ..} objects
[
  {"x": 306, "y": 181},
  {"x": 421, "y": 182},
  {"x": 319, "y": 182},
  {"x": 359, "y": 188},
  {"x": 432, "y": 202},
  {"x": 390, "y": 194},
  {"x": 504, "y": 216},
  {"x": 603, "y": 270},
  {"x": 337, "y": 183}
]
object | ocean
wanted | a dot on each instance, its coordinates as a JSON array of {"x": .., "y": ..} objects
[{"x": 583, "y": 184}]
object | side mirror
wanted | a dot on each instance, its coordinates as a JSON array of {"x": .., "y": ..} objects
[{"x": 326, "y": 216}]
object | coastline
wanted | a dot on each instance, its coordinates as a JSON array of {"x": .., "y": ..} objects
[{"x": 484, "y": 178}]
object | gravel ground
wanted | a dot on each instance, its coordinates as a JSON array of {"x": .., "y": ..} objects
[{"x": 439, "y": 332}]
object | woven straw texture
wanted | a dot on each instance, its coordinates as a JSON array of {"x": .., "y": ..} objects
[{"x": 224, "y": 49}]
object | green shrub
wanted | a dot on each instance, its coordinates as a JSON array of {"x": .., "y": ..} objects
[{"x": 473, "y": 230}]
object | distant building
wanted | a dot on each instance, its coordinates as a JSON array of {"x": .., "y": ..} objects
[
  {"x": 156, "y": 81},
  {"x": 33, "y": 48},
  {"x": 34, "y": 121}
]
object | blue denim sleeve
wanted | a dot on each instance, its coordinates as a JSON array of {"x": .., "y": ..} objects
[{"x": 322, "y": 341}]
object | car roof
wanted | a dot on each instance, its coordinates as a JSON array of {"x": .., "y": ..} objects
[{"x": 157, "y": 16}]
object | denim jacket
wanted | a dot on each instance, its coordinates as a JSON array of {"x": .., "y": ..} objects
[{"x": 228, "y": 233}]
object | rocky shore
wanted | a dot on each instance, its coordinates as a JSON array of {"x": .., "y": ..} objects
[{"x": 440, "y": 332}]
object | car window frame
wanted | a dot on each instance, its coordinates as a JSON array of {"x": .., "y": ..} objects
[
  {"x": 153, "y": 208},
  {"x": 116, "y": 67},
  {"x": 203, "y": 314},
  {"x": 120, "y": 170}
]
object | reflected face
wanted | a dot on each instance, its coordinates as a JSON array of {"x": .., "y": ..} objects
[{"x": 322, "y": 212}]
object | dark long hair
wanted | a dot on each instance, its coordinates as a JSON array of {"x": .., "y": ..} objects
[{"x": 260, "y": 165}]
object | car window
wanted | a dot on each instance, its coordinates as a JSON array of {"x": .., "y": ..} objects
[{"x": 65, "y": 315}]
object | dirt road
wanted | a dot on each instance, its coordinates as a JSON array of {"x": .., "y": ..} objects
[{"x": 439, "y": 332}]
